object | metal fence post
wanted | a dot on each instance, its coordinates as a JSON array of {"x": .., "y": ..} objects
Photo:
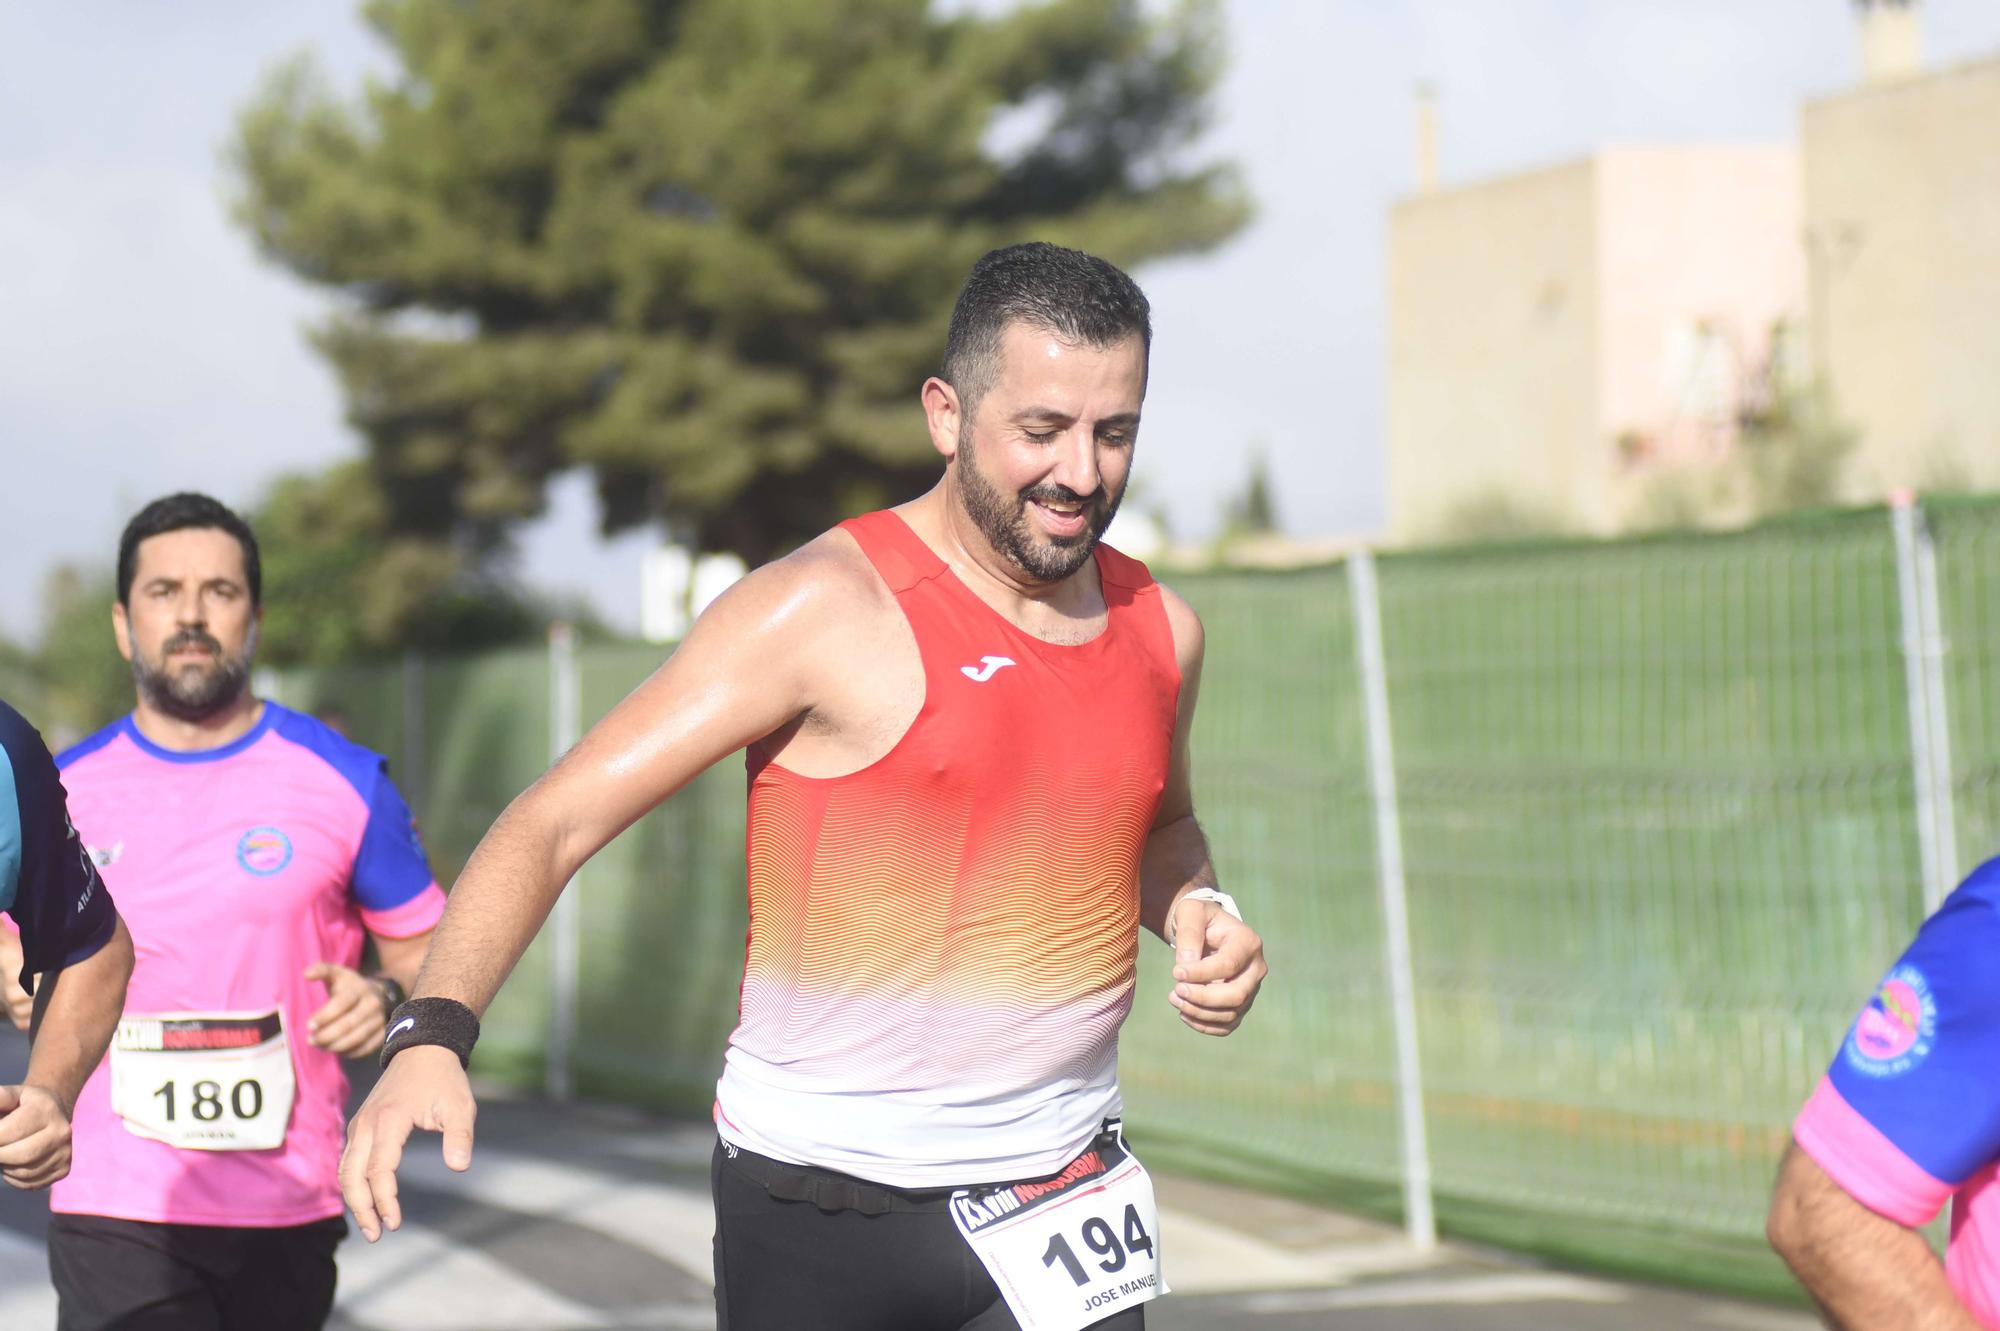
[
  {"x": 1924, "y": 687},
  {"x": 1418, "y": 1217},
  {"x": 565, "y": 723}
]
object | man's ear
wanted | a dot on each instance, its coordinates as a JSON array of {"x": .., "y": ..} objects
[
  {"x": 942, "y": 415},
  {"x": 121, "y": 629}
]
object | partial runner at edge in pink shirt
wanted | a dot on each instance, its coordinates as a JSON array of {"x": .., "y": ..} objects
[
  {"x": 1908, "y": 1116},
  {"x": 236, "y": 869}
]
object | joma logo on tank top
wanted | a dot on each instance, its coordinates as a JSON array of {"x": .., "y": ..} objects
[{"x": 986, "y": 668}]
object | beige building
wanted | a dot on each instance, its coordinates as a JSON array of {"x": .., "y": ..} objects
[
  {"x": 1560, "y": 338},
  {"x": 1902, "y": 230},
  {"x": 1574, "y": 347}
]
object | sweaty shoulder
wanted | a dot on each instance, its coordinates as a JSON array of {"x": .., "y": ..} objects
[
  {"x": 812, "y": 589},
  {"x": 793, "y": 612}
]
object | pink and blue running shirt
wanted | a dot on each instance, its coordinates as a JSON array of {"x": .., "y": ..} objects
[
  {"x": 1909, "y": 1113},
  {"x": 236, "y": 868}
]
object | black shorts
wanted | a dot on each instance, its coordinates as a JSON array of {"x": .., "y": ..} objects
[
  {"x": 797, "y": 1247},
  {"x": 131, "y": 1275}
]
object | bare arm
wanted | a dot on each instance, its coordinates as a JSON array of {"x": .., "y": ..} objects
[
  {"x": 745, "y": 671},
  {"x": 1218, "y": 959},
  {"x": 20, "y": 1004},
  {"x": 1176, "y": 860},
  {"x": 741, "y": 674},
  {"x": 76, "y": 1010},
  {"x": 1863, "y": 1270},
  {"x": 403, "y": 958}
]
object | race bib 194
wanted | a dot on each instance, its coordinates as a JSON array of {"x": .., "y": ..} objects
[
  {"x": 1074, "y": 1249},
  {"x": 204, "y": 1081}
]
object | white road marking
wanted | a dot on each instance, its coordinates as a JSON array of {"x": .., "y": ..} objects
[
  {"x": 1733, "y": 1318},
  {"x": 675, "y": 1224},
  {"x": 1441, "y": 1292},
  {"x": 26, "y": 1297},
  {"x": 417, "y": 1280}
]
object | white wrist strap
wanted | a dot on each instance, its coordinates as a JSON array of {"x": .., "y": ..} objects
[{"x": 1222, "y": 899}]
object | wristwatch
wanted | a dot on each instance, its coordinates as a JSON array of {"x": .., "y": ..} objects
[{"x": 392, "y": 993}]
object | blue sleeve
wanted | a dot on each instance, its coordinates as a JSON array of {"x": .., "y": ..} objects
[
  {"x": 390, "y": 868},
  {"x": 47, "y": 881},
  {"x": 1922, "y": 1061}
]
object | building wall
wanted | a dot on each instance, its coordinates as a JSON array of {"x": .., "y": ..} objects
[
  {"x": 1700, "y": 262},
  {"x": 1492, "y": 347},
  {"x": 1565, "y": 337},
  {"x": 1902, "y": 212}
]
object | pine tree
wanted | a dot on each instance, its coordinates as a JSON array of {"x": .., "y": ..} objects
[{"x": 706, "y": 248}]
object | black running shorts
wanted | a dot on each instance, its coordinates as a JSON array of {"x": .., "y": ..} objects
[
  {"x": 798, "y": 1247},
  {"x": 129, "y": 1275}
]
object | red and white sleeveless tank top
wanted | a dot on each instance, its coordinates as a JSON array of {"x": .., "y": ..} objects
[{"x": 942, "y": 945}]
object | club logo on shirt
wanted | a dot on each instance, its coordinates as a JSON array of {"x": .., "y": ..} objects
[
  {"x": 1895, "y": 1031},
  {"x": 264, "y": 851}
]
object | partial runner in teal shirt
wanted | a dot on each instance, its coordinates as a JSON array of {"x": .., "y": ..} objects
[{"x": 69, "y": 936}]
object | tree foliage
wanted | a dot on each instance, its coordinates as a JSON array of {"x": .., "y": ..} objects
[
  {"x": 706, "y": 248},
  {"x": 340, "y": 586},
  {"x": 1795, "y": 452},
  {"x": 1254, "y": 510},
  {"x": 85, "y": 682}
]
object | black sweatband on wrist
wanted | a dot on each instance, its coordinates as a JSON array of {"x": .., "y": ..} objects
[{"x": 439, "y": 1021}]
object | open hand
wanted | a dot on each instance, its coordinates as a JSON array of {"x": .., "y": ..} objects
[{"x": 424, "y": 1087}]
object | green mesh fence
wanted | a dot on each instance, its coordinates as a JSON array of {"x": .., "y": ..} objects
[
  {"x": 1282, "y": 788},
  {"x": 663, "y": 920},
  {"x": 1658, "y": 821},
  {"x": 478, "y": 728},
  {"x": 1968, "y": 538},
  {"x": 1657, "y": 803}
]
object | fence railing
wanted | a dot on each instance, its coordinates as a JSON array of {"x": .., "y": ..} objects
[{"x": 1574, "y": 860}]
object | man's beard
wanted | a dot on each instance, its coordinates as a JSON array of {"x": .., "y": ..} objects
[
  {"x": 190, "y": 692},
  {"x": 1003, "y": 520}
]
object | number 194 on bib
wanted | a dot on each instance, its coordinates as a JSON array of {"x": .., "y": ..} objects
[{"x": 1074, "y": 1249}]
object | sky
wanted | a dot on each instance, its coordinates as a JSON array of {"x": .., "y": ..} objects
[{"x": 147, "y": 348}]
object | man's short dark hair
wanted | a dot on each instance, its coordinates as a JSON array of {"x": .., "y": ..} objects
[
  {"x": 1078, "y": 297},
  {"x": 181, "y": 512}
]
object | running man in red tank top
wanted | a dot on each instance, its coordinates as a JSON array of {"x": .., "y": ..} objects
[{"x": 966, "y": 724}]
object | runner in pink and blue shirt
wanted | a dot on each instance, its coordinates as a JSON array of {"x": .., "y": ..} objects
[
  {"x": 238, "y": 869},
  {"x": 1906, "y": 1119},
  {"x": 253, "y": 852}
]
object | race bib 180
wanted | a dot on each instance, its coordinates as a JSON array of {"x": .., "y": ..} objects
[
  {"x": 204, "y": 1081},
  {"x": 1074, "y": 1249}
]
